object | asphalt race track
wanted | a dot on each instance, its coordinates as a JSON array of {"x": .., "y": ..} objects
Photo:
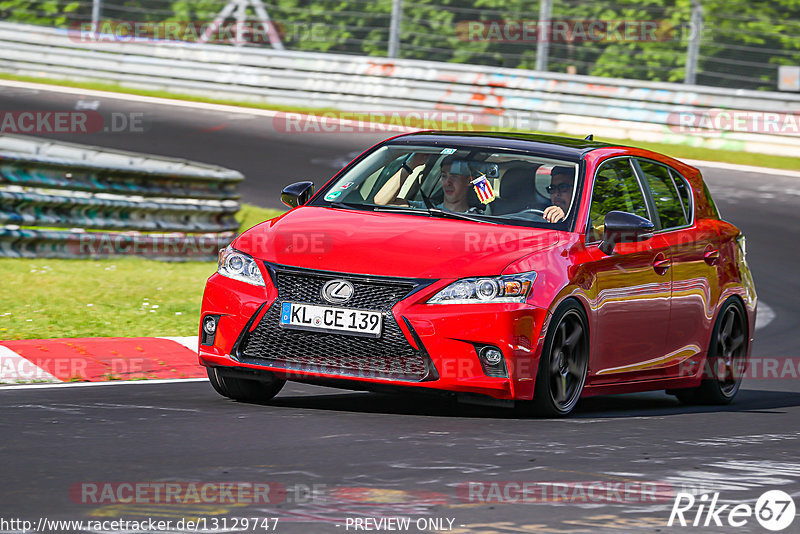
[{"x": 332, "y": 455}]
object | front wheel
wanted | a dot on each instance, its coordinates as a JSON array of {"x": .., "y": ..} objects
[
  {"x": 564, "y": 362},
  {"x": 726, "y": 361},
  {"x": 242, "y": 389}
]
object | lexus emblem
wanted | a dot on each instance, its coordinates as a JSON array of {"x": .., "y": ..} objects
[{"x": 337, "y": 291}]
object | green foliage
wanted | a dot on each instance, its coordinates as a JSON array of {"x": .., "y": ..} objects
[
  {"x": 48, "y": 12},
  {"x": 249, "y": 216}
]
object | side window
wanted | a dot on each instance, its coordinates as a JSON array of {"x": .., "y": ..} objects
[
  {"x": 684, "y": 192},
  {"x": 615, "y": 188},
  {"x": 668, "y": 203},
  {"x": 711, "y": 202}
]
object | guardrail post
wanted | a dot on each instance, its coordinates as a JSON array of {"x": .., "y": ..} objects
[
  {"x": 394, "y": 28},
  {"x": 693, "y": 49},
  {"x": 96, "y": 9},
  {"x": 543, "y": 46}
]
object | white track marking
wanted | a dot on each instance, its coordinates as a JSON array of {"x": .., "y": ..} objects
[
  {"x": 733, "y": 441},
  {"x": 14, "y": 368},
  {"x": 105, "y": 405},
  {"x": 100, "y": 384},
  {"x": 272, "y": 113},
  {"x": 765, "y": 315},
  {"x": 190, "y": 342}
]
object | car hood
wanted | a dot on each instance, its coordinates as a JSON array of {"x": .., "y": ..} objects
[{"x": 391, "y": 244}]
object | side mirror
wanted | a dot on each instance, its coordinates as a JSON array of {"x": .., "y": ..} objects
[
  {"x": 621, "y": 226},
  {"x": 297, "y": 194}
]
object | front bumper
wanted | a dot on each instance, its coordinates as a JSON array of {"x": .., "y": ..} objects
[{"x": 424, "y": 346}]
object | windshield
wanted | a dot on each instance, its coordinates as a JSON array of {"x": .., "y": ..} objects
[{"x": 469, "y": 183}]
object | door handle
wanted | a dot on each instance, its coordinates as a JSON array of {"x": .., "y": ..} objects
[
  {"x": 711, "y": 255},
  {"x": 661, "y": 264}
]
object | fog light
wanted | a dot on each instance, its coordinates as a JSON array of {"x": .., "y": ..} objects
[
  {"x": 210, "y": 325},
  {"x": 492, "y": 355},
  {"x": 209, "y": 330},
  {"x": 492, "y": 361}
]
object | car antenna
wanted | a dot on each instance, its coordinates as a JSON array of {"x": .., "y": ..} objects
[{"x": 589, "y": 137}]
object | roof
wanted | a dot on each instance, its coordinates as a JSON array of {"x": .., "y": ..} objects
[{"x": 553, "y": 146}]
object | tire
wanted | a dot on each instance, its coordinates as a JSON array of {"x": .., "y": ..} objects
[
  {"x": 242, "y": 389},
  {"x": 564, "y": 362},
  {"x": 216, "y": 381},
  {"x": 726, "y": 360}
]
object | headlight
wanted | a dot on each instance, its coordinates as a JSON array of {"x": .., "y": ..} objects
[
  {"x": 508, "y": 288},
  {"x": 239, "y": 266}
]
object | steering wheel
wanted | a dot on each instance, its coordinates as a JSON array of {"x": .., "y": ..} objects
[{"x": 529, "y": 214}]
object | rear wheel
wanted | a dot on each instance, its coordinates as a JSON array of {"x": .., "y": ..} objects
[
  {"x": 243, "y": 389},
  {"x": 726, "y": 360},
  {"x": 564, "y": 362}
]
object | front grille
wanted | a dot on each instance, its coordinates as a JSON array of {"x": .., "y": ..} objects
[
  {"x": 389, "y": 357},
  {"x": 368, "y": 294}
]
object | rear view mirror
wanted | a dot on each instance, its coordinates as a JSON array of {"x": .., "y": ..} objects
[
  {"x": 624, "y": 227},
  {"x": 474, "y": 168},
  {"x": 491, "y": 170},
  {"x": 297, "y": 194}
]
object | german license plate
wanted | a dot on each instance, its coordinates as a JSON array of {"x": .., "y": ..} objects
[{"x": 331, "y": 320}]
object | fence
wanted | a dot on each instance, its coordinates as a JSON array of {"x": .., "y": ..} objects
[
  {"x": 530, "y": 100},
  {"x": 62, "y": 200}
]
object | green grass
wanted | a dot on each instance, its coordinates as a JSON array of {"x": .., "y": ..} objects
[
  {"x": 127, "y": 297},
  {"x": 676, "y": 150},
  {"x": 250, "y": 216},
  {"x": 124, "y": 297}
]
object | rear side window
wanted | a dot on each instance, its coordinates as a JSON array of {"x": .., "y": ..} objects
[
  {"x": 669, "y": 206},
  {"x": 615, "y": 188},
  {"x": 685, "y": 192},
  {"x": 711, "y": 202}
]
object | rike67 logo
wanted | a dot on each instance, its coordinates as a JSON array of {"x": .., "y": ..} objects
[{"x": 774, "y": 510}]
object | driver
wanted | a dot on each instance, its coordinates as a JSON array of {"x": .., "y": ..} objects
[
  {"x": 455, "y": 185},
  {"x": 560, "y": 189}
]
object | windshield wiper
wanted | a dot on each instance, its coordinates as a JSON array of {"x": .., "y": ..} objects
[
  {"x": 433, "y": 212},
  {"x": 349, "y": 205},
  {"x": 396, "y": 207},
  {"x": 445, "y": 214}
]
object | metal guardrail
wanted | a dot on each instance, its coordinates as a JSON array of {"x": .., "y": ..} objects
[
  {"x": 111, "y": 203},
  {"x": 579, "y": 105}
]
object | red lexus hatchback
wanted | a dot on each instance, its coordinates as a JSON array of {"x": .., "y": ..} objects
[{"x": 513, "y": 267}]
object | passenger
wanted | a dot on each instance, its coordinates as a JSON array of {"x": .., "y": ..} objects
[
  {"x": 455, "y": 186},
  {"x": 560, "y": 189}
]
